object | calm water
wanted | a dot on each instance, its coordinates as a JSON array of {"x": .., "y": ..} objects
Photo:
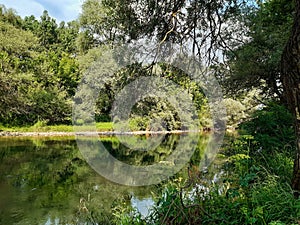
[{"x": 47, "y": 181}]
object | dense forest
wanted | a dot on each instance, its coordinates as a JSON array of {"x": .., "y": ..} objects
[{"x": 252, "y": 48}]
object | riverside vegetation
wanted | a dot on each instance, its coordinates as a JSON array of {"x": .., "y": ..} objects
[
  {"x": 254, "y": 187},
  {"x": 42, "y": 63}
]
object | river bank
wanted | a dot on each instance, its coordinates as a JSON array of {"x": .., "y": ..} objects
[
  {"x": 34, "y": 134},
  {"x": 87, "y": 133}
]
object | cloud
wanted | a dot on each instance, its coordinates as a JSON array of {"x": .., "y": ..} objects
[{"x": 61, "y": 10}]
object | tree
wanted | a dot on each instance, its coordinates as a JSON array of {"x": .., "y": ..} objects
[
  {"x": 291, "y": 82},
  {"x": 16, "y": 59},
  {"x": 38, "y": 69},
  {"x": 255, "y": 64},
  {"x": 197, "y": 23},
  {"x": 47, "y": 31},
  {"x": 67, "y": 35},
  {"x": 10, "y": 16},
  {"x": 32, "y": 24},
  {"x": 84, "y": 42},
  {"x": 16, "y": 48}
]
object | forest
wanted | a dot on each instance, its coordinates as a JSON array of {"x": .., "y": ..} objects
[{"x": 252, "y": 49}]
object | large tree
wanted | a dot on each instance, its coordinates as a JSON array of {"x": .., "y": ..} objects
[
  {"x": 291, "y": 82},
  {"x": 255, "y": 65},
  {"x": 207, "y": 26},
  {"x": 202, "y": 25}
]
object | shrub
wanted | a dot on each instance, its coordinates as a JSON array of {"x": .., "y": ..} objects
[{"x": 272, "y": 128}]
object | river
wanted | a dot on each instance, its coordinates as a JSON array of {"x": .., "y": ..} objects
[{"x": 46, "y": 180}]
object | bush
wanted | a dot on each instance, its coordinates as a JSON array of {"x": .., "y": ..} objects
[
  {"x": 267, "y": 202},
  {"x": 255, "y": 186},
  {"x": 138, "y": 123},
  {"x": 40, "y": 125},
  {"x": 272, "y": 128}
]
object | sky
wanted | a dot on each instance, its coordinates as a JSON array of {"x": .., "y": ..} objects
[{"x": 61, "y": 10}]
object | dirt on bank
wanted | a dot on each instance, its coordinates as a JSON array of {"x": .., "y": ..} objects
[
  {"x": 106, "y": 133},
  {"x": 34, "y": 134}
]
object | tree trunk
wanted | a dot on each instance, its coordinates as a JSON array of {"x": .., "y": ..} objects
[{"x": 290, "y": 66}]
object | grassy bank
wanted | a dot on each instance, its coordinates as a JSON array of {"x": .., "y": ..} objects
[{"x": 41, "y": 127}]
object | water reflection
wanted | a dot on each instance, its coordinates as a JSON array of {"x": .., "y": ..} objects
[
  {"x": 47, "y": 181},
  {"x": 132, "y": 167},
  {"x": 142, "y": 205}
]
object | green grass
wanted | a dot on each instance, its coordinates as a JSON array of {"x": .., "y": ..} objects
[
  {"x": 41, "y": 127},
  {"x": 104, "y": 126}
]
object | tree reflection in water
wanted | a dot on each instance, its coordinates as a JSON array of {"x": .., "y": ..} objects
[{"x": 47, "y": 181}]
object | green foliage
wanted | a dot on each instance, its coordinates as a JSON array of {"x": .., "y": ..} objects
[
  {"x": 67, "y": 36},
  {"x": 139, "y": 123},
  {"x": 50, "y": 104},
  {"x": 276, "y": 201},
  {"x": 126, "y": 215},
  {"x": 92, "y": 17},
  {"x": 16, "y": 41},
  {"x": 47, "y": 30},
  {"x": 245, "y": 152},
  {"x": 272, "y": 128},
  {"x": 84, "y": 42},
  {"x": 40, "y": 125},
  {"x": 175, "y": 21},
  {"x": 255, "y": 62},
  {"x": 68, "y": 73},
  {"x": 10, "y": 16},
  {"x": 104, "y": 126},
  {"x": 170, "y": 209},
  {"x": 235, "y": 111},
  {"x": 264, "y": 203},
  {"x": 247, "y": 194},
  {"x": 157, "y": 113},
  {"x": 255, "y": 186},
  {"x": 38, "y": 70}
]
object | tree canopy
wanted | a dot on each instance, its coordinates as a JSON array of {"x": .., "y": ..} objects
[{"x": 39, "y": 72}]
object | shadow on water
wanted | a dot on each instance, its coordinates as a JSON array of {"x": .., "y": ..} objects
[{"x": 47, "y": 181}]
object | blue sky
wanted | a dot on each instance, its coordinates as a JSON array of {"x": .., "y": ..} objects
[{"x": 61, "y": 10}]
